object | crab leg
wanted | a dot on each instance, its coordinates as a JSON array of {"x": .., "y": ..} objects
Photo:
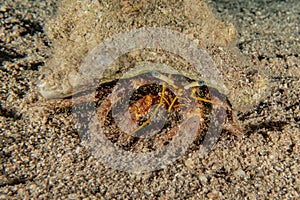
[
  {"x": 186, "y": 87},
  {"x": 171, "y": 105},
  {"x": 155, "y": 111},
  {"x": 223, "y": 104},
  {"x": 193, "y": 95}
]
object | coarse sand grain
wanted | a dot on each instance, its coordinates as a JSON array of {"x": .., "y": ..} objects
[{"x": 41, "y": 154}]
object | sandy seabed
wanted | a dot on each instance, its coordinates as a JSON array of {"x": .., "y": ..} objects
[{"x": 42, "y": 156}]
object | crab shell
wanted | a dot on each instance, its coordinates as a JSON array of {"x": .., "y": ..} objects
[
  {"x": 78, "y": 82},
  {"x": 99, "y": 66},
  {"x": 82, "y": 25}
]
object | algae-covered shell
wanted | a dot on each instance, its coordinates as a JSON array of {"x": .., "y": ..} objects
[
  {"x": 98, "y": 66},
  {"x": 80, "y": 29}
]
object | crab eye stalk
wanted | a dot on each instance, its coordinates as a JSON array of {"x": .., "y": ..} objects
[
  {"x": 194, "y": 84},
  {"x": 154, "y": 74},
  {"x": 200, "y": 83},
  {"x": 163, "y": 78}
]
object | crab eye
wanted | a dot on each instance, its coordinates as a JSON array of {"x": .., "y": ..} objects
[
  {"x": 200, "y": 83},
  {"x": 154, "y": 74}
]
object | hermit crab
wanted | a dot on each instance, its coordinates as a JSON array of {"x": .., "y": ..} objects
[{"x": 144, "y": 108}]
